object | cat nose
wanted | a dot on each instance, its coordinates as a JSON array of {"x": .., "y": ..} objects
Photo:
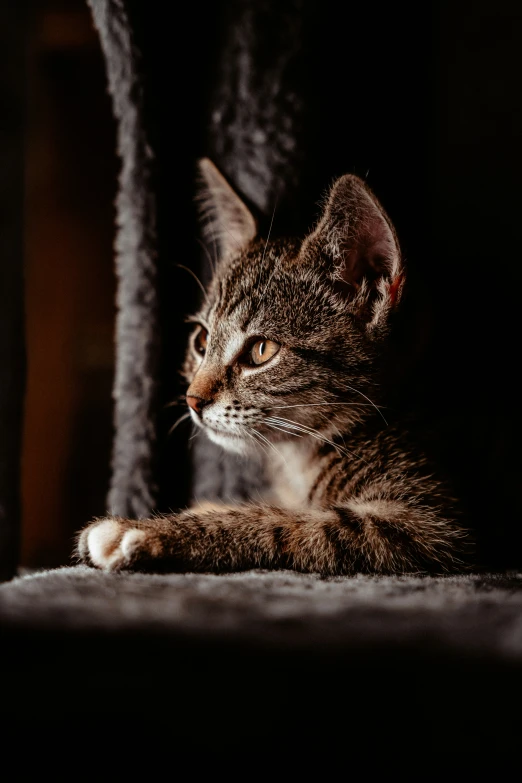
[{"x": 196, "y": 403}]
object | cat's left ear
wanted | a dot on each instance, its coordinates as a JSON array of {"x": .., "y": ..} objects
[
  {"x": 228, "y": 219},
  {"x": 356, "y": 239}
]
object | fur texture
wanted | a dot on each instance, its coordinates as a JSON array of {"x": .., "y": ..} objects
[
  {"x": 410, "y": 670},
  {"x": 470, "y": 614},
  {"x": 133, "y": 488},
  {"x": 351, "y": 491}
]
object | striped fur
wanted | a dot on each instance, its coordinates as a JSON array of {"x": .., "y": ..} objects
[{"x": 351, "y": 491}]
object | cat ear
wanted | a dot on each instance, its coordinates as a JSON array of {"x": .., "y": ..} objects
[
  {"x": 228, "y": 219},
  {"x": 356, "y": 238}
]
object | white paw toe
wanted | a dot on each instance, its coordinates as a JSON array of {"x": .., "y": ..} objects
[
  {"x": 103, "y": 543},
  {"x": 131, "y": 541}
]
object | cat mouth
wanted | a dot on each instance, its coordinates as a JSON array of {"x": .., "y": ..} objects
[
  {"x": 204, "y": 425},
  {"x": 221, "y": 432},
  {"x": 229, "y": 441}
]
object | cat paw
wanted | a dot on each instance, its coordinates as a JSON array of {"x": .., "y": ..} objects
[{"x": 113, "y": 544}]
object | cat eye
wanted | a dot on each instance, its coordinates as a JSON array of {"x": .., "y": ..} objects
[
  {"x": 263, "y": 350},
  {"x": 200, "y": 341}
]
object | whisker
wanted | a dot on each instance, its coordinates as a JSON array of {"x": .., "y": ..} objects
[
  {"x": 264, "y": 252},
  {"x": 269, "y": 444},
  {"x": 315, "y": 434},
  {"x": 268, "y": 235},
  {"x": 370, "y": 401},
  {"x": 196, "y": 278},
  {"x": 323, "y": 404},
  {"x": 286, "y": 429},
  {"x": 173, "y": 403},
  {"x": 216, "y": 250},
  {"x": 269, "y": 232},
  {"x": 276, "y": 427},
  {"x": 195, "y": 434},
  {"x": 257, "y": 441},
  {"x": 237, "y": 242},
  {"x": 209, "y": 257},
  {"x": 301, "y": 428},
  {"x": 181, "y": 418}
]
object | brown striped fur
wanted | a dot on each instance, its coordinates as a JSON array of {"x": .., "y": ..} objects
[{"x": 350, "y": 491}]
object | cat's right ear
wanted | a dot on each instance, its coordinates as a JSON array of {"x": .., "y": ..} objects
[
  {"x": 356, "y": 241},
  {"x": 228, "y": 221}
]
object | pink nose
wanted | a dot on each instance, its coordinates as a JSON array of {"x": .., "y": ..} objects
[{"x": 196, "y": 403}]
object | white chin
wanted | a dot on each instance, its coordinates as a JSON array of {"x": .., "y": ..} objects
[{"x": 229, "y": 442}]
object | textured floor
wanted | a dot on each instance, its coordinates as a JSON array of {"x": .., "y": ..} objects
[
  {"x": 476, "y": 615},
  {"x": 254, "y": 655}
]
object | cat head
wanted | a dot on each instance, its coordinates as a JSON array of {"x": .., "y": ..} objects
[{"x": 287, "y": 341}]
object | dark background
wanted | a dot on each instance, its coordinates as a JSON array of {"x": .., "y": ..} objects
[
  {"x": 70, "y": 181},
  {"x": 425, "y": 105}
]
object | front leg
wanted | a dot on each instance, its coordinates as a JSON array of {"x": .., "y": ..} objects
[{"x": 380, "y": 537}]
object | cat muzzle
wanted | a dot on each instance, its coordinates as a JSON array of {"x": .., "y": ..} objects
[{"x": 196, "y": 403}]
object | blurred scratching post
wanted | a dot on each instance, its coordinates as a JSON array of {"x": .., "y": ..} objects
[
  {"x": 133, "y": 486},
  {"x": 261, "y": 155}
]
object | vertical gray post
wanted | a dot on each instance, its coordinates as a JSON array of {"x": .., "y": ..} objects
[{"x": 133, "y": 490}]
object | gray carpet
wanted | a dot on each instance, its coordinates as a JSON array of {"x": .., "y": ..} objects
[
  {"x": 226, "y": 664},
  {"x": 474, "y": 615},
  {"x": 404, "y": 673}
]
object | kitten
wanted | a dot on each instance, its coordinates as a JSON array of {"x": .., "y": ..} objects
[{"x": 286, "y": 357}]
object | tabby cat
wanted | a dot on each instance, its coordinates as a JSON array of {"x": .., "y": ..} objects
[{"x": 286, "y": 358}]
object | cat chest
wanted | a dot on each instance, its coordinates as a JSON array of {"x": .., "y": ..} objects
[{"x": 294, "y": 475}]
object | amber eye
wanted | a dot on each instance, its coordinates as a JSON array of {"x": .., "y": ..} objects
[
  {"x": 263, "y": 350},
  {"x": 200, "y": 341}
]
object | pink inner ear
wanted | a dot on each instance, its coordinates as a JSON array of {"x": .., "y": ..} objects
[
  {"x": 359, "y": 262},
  {"x": 394, "y": 288}
]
